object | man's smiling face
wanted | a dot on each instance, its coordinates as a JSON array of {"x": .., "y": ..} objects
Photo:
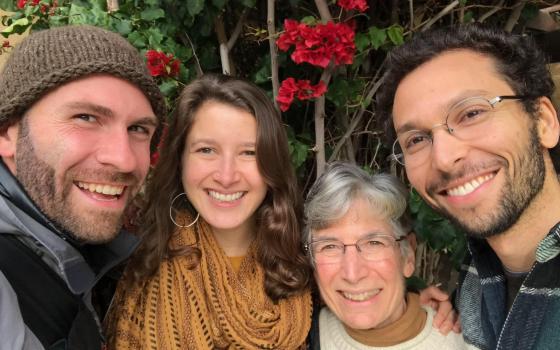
[
  {"x": 485, "y": 184},
  {"x": 82, "y": 152}
]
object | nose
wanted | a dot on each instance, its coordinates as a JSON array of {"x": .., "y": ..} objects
[
  {"x": 116, "y": 149},
  {"x": 354, "y": 267},
  {"x": 447, "y": 150},
  {"x": 227, "y": 173}
]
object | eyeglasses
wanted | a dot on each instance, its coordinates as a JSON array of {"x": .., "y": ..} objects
[
  {"x": 375, "y": 247},
  {"x": 466, "y": 120}
]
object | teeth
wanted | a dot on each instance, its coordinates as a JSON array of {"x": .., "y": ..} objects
[
  {"x": 360, "y": 296},
  {"x": 225, "y": 197},
  {"x": 103, "y": 189},
  {"x": 469, "y": 186}
]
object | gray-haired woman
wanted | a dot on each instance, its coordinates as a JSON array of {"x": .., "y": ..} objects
[{"x": 357, "y": 239}]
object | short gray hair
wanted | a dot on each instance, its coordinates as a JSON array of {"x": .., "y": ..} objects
[{"x": 334, "y": 191}]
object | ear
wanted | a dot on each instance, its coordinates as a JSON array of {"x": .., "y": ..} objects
[
  {"x": 410, "y": 259},
  {"x": 548, "y": 126},
  {"x": 8, "y": 141}
]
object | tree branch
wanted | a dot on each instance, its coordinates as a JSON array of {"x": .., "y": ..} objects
[
  {"x": 514, "y": 16},
  {"x": 186, "y": 40},
  {"x": 237, "y": 30},
  {"x": 324, "y": 11},
  {"x": 319, "y": 118},
  {"x": 270, "y": 20},
  {"x": 442, "y": 13},
  {"x": 356, "y": 120},
  {"x": 223, "y": 41},
  {"x": 492, "y": 11},
  {"x": 112, "y": 5},
  {"x": 411, "y": 9}
]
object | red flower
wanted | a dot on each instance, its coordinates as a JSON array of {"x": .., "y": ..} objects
[
  {"x": 154, "y": 158},
  {"x": 6, "y": 44},
  {"x": 302, "y": 89},
  {"x": 359, "y": 5},
  {"x": 160, "y": 64},
  {"x": 320, "y": 44},
  {"x": 21, "y": 3}
]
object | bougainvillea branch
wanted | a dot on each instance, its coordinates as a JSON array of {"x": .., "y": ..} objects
[
  {"x": 302, "y": 89},
  {"x": 319, "y": 44}
]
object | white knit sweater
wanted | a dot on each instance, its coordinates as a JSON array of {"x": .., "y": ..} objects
[{"x": 333, "y": 336}]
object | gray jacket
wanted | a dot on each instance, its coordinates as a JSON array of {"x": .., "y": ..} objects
[{"x": 20, "y": 217}]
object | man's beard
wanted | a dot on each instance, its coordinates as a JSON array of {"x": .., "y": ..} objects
[
  {"x": 516, "y": 195},
  {"x": 39, "y": 181}
]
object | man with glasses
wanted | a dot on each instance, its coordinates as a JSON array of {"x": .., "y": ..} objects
[{"x": 472, "y": 122}]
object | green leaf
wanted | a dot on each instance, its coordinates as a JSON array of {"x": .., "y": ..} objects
[
  {"x": 530, "y": 11},
  {"x": 195, "y": 6},
  {"x": 395, "y": 33},
  {"x": 219, "y": 3},
  {"x": 463, "y": 2},
  {"x": 362, "y": 41},
  {"x": 152, "y": 14},
  {"x": 309, "y": 20},
  {"x": 8, "y": 5},
  {"x": 249, "y": 3},
  {"x": 154, "y": 37},
  {"x": 468, "y": 17},
  {"x": 263, "y": 74},
  {"x": 138, "y": 40},
  {"x": 17, "y": 27},
  {"x": 415, "y": 283},
  {"x": 168, "y": 87},
  {"x": 377, "y": 37},
  {"x": 123, "y": 27}
]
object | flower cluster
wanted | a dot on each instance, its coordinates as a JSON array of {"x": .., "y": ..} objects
[
  {"x": 359, "y": 5},
  {"x": 46, "y": 9},
  {"x": 162, "y": 65},
  {"x": 302, "y": 89},
  {"x": 320, "y": 44},
  {"x": 21, "y": 3}
]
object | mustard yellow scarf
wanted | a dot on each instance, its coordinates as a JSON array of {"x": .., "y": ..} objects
[{"x": 208, "y": 307}]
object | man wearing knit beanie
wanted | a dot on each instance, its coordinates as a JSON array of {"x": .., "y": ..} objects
[{"x": 78, "y": 115}]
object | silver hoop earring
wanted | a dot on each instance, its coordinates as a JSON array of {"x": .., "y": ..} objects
[{"x": 171, "y": 213}]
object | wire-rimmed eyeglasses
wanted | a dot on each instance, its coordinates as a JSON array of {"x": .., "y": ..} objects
[
  {"x": 374, "y": 247},
  {"x": 466, "y": 120}
]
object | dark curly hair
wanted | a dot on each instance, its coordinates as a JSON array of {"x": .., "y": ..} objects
[
  {"x": 517, "y": 57},
  {"x": 278, "y": 218}
]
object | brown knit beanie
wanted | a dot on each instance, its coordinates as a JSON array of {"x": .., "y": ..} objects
[{"x": 50, "y": 58}]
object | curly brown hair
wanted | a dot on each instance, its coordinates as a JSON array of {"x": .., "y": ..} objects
[{"x": 278, "y": 218}]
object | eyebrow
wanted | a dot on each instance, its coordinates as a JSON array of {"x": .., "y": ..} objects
[
  {"x": 364, "y": 236},
  {"x": 460, "y": 97},
  {"x": 212, "y": 141},
  {"x": 107, "y": 112}
]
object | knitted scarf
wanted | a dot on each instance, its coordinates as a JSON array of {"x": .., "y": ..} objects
[{"x": 207, "y": 307}]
